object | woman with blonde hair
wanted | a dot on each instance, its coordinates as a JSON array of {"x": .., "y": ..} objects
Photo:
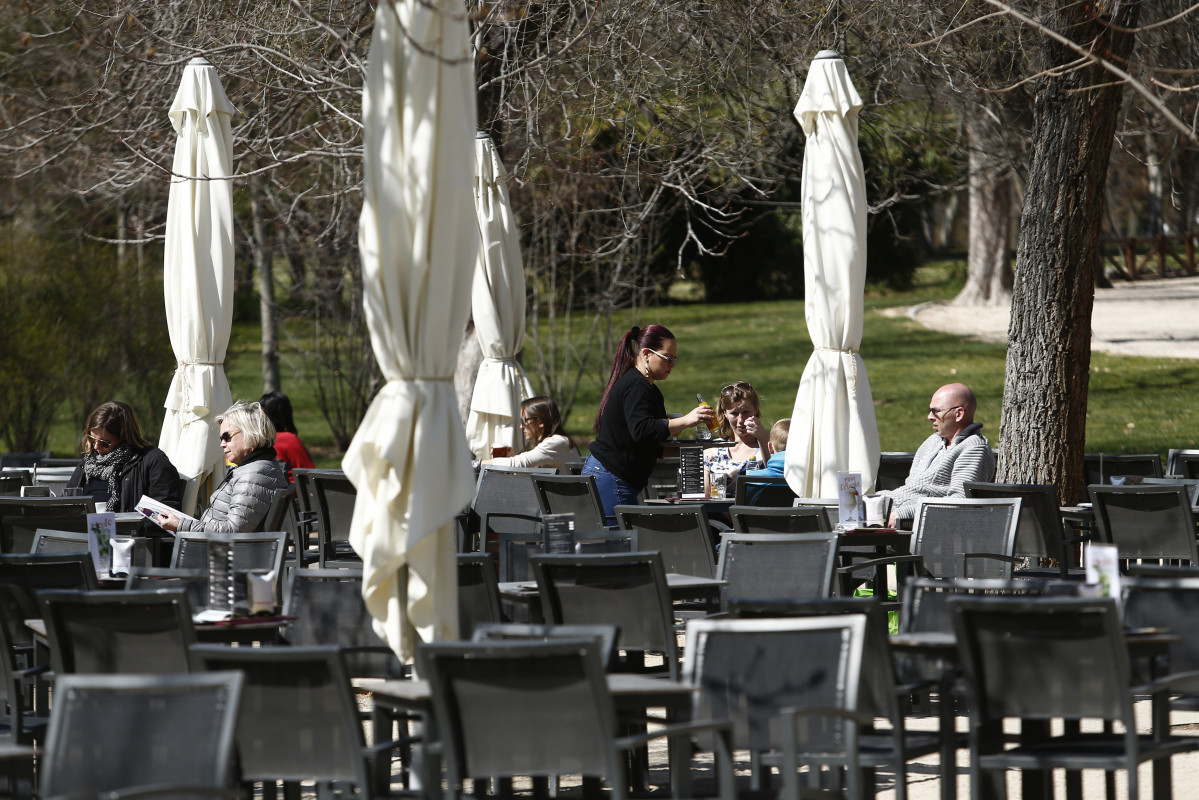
[
  {"x": 740, "y": 415},
  {"x": 241, "y": 503},
  {"x": 546, "y": 444}
]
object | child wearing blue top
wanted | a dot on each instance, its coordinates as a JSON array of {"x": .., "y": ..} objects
[{"x": 778, "y": 446}]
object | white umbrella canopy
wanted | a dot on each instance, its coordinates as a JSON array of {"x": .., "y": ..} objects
[
  {"x": 409, "y": 459},
  {"x": 498, "y": 301},
  {"x": 198, "y": 270},
  {"x": 832, "y": 425}
]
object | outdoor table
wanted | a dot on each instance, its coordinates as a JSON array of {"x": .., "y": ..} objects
[
  {"x": 710, "y": 505},
  {"x": 630, "y": 691},
  {"x": 884, "y": 541},
  {"x": 682, "y": 587}
]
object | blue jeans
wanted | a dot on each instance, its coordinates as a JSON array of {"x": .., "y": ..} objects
[{"x": 613, "y": 491}]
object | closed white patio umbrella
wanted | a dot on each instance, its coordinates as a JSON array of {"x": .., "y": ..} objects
[
  {"x": 198, "y": 270},
  {"x": 832, "y": 425},
  {"x": 498, "y": 301},
  {"x": 409, "y": 459}
]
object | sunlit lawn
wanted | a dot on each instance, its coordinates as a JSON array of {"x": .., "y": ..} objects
[{"x": 1135, "y": 404}]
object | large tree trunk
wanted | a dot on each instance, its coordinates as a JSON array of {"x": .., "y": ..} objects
[
  {"x": 1049, "y": 340},
  {"x": 988, "y": 264},
  {"x": 266, "y": 291}
]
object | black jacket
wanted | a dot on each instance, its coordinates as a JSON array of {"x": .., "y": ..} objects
[
  {"x": 149, "y": 472},
  {"x": 632, "y": 429}
]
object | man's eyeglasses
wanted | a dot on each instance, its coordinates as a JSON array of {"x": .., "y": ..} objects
[
  {"x": 733, "y": 387},
  {"x": 101, "y": 442},
  {"x": 937, "y": 412},
  {"x": 227, "y": 436},
  {"x": 671, "y": 360}
]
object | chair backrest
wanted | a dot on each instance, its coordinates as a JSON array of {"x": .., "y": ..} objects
[
  {"x": 505, "y": 490},
  {"x": 777, "y": 566},
  {"x": 250, "y": 550},
  {"x": 925, "y": 607},
  {"x": 13, "y": 702},
  {"x": 281, "y": 515},
  {"x": 29, "y": 459},
  {"x": 298, "y": 718},
  {"x": 831, "y": 506},
  {"x": 46, "y": 542},
  {"x": 681, "y": 534},
  {"x": 492, "y": 524},
  {"x": 1100, "y": 467},
  {"x": 1171, "y": 603},
  {"x": 749, "y": 670},
  {"x": 107, "y": 632},
  {"x": 893, "y": 469},
  {"x": 628, "y": 590},
  {"x": 796, "y": 519},
  {"x": 20, "y": 517},
  {"x": 22, "y": 575},
  {"x": 605, "y": 636},
  {"x": 1146, "y": 522},
  {"x": 328, "y": 609},
  {"x": 185, "y": 722},
  {"x": 478, "y": 593},
  {"x": 192, "y": 581},
  {"x": 770, "y": 491},
  {"x": 1024, "y": 658},
  {"x": 335, "y": 497},
  {"x": 1039, "y": 532},
  {"x": 570, "y": 494},
  {"x": 946, "y": 528},
  {"x": 497, "y": 716},
  {"x": 515, "y": 549},
  {"x": 663, "y": 479},
  {"x": 1183, "y": 463}
]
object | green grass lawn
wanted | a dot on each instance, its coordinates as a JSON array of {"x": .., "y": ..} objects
[{"x": 1135, "y": 405}]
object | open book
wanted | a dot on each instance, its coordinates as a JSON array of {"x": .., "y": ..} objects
[{"x": 148, "y": 507}]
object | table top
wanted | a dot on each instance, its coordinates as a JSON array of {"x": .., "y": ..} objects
[
  {"x": 675, "y": 580},
  {"x": 622, "y": 685}
]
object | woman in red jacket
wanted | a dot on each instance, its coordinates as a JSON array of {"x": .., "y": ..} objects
[{"x": 288, "y": 447}]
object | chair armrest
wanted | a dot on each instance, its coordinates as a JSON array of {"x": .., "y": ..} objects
[
  {"x": 1168, "y": 682},
  {"x": 722, "y": 731},
  {"x": 169, "y": 791},
  {"x": 965, "y": 557},
  {"x": 878, "y": 562}
]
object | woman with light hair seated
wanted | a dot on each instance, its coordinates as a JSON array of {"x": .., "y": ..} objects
[{"x": 241, "y": 504}]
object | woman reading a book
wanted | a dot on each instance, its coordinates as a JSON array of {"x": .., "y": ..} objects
[
  {"x": 119, "y": 465},
  {"x": 241, "y": 504}
]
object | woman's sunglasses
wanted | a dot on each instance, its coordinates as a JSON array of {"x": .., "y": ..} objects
[{"x": 732, "y": 387}]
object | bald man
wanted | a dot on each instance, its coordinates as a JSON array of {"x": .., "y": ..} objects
[{"x": 956, "y": 452}]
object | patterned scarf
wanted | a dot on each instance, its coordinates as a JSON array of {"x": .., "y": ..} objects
[{"x": 108, "y": 467}]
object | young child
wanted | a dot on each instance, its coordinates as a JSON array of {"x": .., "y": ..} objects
[{"x": 778, "y": 444}]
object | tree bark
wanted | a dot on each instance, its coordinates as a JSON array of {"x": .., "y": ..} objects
[
  {"x": 1048, "y": 368},
  {"x": 988, "y": 264},
  {"x": 271, "y": 381}
]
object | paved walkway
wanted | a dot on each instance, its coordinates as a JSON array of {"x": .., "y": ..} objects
[{"x": 1144, "y": 318}]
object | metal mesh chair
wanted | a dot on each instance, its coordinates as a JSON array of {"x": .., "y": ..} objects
[
  {"x": 1039, "y": 533},
  {"x": 628, "y": 590},
  {"x": 796, "y": 519},
  {"x": 1053, "y": 659},
  {"x": 298, "y": 719},
  {"x": 765, "y": 490},
  {"x": 507, "y": 495},
  {"x": 681, "y": 534},
  {"x": 335, "y": 498},
  {"x": 893, "y": 469},
  {"x": 114, "y": 732},
  {"x": 570, "y": 494},
  {"x": 540, "y": 709},
  {"x": 1100, "y": 467},
  {"x": 115, "y": 632},
  {"x": 1146, "y": 523},
  {"x": 478, "y": 593},
  {"x": 777, "y": 566}
]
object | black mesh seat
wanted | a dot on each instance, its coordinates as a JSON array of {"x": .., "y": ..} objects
[
  {"x": 251, "y": 551},
  {"x": 796, "y": 519},
  {"x": 628, "y": 590},
  {"x": 764, "y": 490},
  {"x": 570, "y": 494},
  {"x": 20, "y": 517},
  {"x": 1054, "y": 659},
  {"x": 1101, "y": 467},
  {"x": 504, "y": 495},
  {"x": 328, "y": 609},
  {"x": 335, "y": 498},
  {"x": 777, "y": 566},
  {"x": 1040, "y": 533},
  {"x": 46, "y": 542},
  {"x": 21, "y": 576},
  {"x": 112, "y": 632},
  {"x": 116, "y": 732},
  {"x": 1146, "y": 523},
  {"x": 538, "y": 709},
  {"x": 192, "y": 581},
  {"x": 1171, "y": 603},
  {"x": 681, "y": 534},
  {"x": 298, "y": 718},
  {"x": 893, "y": 469},
  {"x": 605, "y": 635}
]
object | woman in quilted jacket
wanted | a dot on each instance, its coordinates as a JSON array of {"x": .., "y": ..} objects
[{"x": 241, "y": 504}]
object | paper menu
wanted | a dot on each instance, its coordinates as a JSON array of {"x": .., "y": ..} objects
[{"x": 101, "y": 530}]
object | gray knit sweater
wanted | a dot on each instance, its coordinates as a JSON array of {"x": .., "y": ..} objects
[{"x": 940, "y": 471}]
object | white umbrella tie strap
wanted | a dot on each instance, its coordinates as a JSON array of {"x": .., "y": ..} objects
[
  {"x": 199, "y": 363},
  {"x": 853, "y": 366}
]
